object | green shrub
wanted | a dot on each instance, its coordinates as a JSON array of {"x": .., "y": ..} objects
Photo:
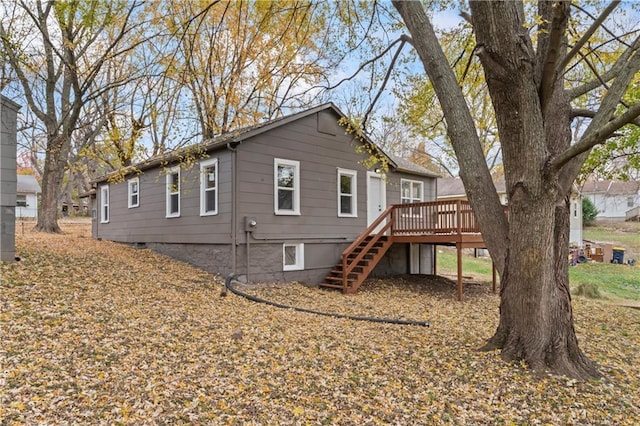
[{"x": 589, "y": 211}]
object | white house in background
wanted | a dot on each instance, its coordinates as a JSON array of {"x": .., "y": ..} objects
[
  {"x": 612, "y": 198},
  {"x": 453, "y": 189},
  {"x": 27, "y": 191}
]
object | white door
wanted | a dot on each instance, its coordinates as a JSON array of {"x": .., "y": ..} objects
[{"x": 376, "y": 196}]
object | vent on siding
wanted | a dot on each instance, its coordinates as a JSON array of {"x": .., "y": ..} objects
[{"x": 327, "y": 123}]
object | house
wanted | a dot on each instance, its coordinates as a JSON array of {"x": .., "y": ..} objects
[
  {"x": 278, "y": 201},
  {"x": 613, "y": 199},
  {"x": 453, "y": 189},
  {"x": 27, "y": 192}
]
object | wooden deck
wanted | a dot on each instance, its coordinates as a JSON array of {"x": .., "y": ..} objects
[{"x": 448, "y": 223}]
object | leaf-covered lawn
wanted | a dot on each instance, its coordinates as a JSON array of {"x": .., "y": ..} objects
[{"x": 95, "y": 332}]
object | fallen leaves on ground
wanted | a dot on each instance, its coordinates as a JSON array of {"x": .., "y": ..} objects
[{"x": 96, "y": 332}]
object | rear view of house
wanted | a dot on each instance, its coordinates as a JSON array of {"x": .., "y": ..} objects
[{"x": 279, "y": 201}]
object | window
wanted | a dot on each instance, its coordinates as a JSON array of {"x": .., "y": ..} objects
[
  {"x": 21, "y": 200},
  {"x": 286, "y": 187},
  {"x": 347, "y": 196},
  {"x": 630, "y": 202},
  {"x": 293, "y": 257},
  {"x": 209, "y": 187},
  {"x": 104, "y": 204},
  {"x": 410, "y": 191},
  {"x": 173, "y": 192},
  {"x": 134, "y": 192}
]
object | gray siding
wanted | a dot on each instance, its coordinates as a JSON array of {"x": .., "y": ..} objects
[
  {"x": 320, "y": 155},
  {"x": 148, "y": 222},
  {"x": 320, "y": 146},
  {"x": 393, "y": 186}
]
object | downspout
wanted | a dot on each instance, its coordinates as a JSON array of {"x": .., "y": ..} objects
[{"x": 231, "y": 146}]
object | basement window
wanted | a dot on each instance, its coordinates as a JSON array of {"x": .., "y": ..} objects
[{"x": 292, "y": 257}]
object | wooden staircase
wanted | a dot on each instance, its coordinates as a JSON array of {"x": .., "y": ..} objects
[
  {"x": 359, "y": 259},
  {"x": 449, "y": 222}
]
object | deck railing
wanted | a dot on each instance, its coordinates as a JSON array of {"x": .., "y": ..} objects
[
  {"x": 429, "y": 217},
  {"x": 434, "y": 217}
]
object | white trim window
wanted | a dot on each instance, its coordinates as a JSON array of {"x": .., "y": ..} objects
[
  {"x": 209, "y": 187},
  {"x": 411, "y": 191},
  {"x": 173, "y": 192},
  {"x": 292, "y": 257},
  {"x": 104, "y": 204},
  {"x": 347, "y": 193},
  {"x": 134, "y": 192},
  {"x": 286, "y": 181}
]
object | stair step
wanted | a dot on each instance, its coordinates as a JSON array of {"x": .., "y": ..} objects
[
  {"x": 332, "y": 278},
  {"x": 331, "y": 285},
  {"x": 360, "y": 270},
  {"x": 351, "y": 277},
  {"x": 366, "y": 256}
]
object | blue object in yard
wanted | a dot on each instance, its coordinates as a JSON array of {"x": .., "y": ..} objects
[{"x": 618, "y": 255}]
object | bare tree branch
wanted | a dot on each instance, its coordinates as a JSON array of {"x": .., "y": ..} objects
[
  {"x": 402, "y": 39},
  {"x": 585, "y": 37},
  {"x": 582, "y": 112},
  {"x": 607, "y": 30},
  {"x": 596, "y": 137},
  {"x": 613, "y": 72},
  {"x": 384, "y": 82}
]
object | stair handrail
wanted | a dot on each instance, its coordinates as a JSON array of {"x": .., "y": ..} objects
[
  {"x": 348, "y": 267},
  {"x": 364, "y": 234}
]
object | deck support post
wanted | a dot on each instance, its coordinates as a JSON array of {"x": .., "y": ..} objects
[
  {"x": 435, "y": 260},
  {"x": 459, "y": 255}
]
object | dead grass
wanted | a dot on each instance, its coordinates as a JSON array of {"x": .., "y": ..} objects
[{"x": 99, "y": 333}]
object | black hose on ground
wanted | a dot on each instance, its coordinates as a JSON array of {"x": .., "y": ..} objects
[{"x": 228, "y": 285}]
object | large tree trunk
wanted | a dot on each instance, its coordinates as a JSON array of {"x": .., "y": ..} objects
[
  {"x": 54, "y": 169},
  {"x": 536, "y": 322},
  {"x": 536, "y": 319}
]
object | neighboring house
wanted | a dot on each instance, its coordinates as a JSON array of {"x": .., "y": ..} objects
[
  {"x": 278, "y": 201},
  {"x": 613, "y": 199},
  {"x": 27, "y": 192},
  {"x": 453, "y": 189}
]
